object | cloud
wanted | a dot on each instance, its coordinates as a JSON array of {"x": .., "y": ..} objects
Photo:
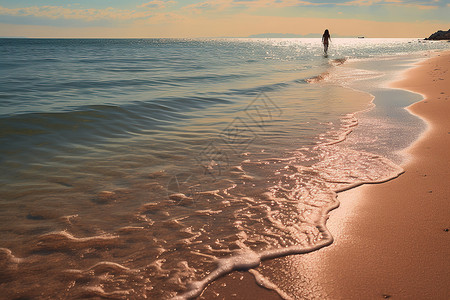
[
  {"x": 208, "y": 6},
  {"x": 162, "y": 18},
  {"x": 158, "y": 4},
  {"x": 236, "y": 25},
  {"x": 201, "y": 16},
  {"x": 88, "y": 14},
  {"x": 144, "y": 10},
  {"x": 149, "y": 9},
  {"x": 402, "y": 3},
  {"x": 223, "y": 5}
]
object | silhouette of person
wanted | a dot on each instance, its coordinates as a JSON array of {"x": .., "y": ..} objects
[{"x": 325, "y": 39}]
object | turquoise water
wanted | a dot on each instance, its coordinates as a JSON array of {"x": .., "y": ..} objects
[{"x": 130, "y": 166}]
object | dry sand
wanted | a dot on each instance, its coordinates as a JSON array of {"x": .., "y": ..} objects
[{"x": 391, "y": 239}]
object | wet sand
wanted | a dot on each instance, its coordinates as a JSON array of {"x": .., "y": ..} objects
[
  {"x": 391, "y": 239},
  {"x": 395, "y": 242}
]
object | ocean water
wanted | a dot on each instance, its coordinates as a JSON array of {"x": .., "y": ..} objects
[{"x": 148, "y": 168}]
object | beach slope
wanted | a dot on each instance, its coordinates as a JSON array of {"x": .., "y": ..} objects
[
  {"x": 396, "y": 241},
  {"x": 392, "y": 240}
]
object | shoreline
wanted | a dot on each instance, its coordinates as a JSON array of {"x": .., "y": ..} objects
[
  {"x": 396, "y": 234},
  {"x": 132, "y": 213},
  {"x": 351, "y": 268}
]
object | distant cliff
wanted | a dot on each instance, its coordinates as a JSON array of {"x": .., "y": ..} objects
[{"x": 440, "y": 35}]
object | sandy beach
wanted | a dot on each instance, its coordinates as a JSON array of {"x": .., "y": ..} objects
[
  {"x": 224, "y": 149},
  {"x": 395, "y": 239},
  {"x": 391, "y": 239}
]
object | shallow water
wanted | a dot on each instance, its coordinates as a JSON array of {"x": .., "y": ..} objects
[{"x": 131, "y": 166}]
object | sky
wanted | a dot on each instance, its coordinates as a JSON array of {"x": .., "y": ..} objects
[{"x": 221, "y": 18}]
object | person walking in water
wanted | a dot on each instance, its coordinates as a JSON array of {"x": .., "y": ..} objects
[{"x": 325, "y": 39}]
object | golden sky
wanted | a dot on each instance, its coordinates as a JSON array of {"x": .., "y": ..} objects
[{"x": 221, "y": 18}]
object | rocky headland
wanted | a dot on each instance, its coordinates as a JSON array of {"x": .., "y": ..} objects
[{"x": 440, "y": 35}]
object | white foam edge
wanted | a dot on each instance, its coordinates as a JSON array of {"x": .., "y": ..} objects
[{"x": 249, "y": 259}]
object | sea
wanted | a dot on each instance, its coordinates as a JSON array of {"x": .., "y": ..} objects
[{"x": 148, "y": 168}]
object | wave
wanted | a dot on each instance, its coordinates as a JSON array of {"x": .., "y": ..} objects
[
  {"x": 104, "y": 121},
  {"x": 63, "y": 240},
  {"x": 324, "y": 75},
  {"x": 143, "y": 215},
  {"x": 339, "y": 169}
]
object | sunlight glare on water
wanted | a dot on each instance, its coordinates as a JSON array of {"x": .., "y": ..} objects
[{"x": 132, "y": 168}]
